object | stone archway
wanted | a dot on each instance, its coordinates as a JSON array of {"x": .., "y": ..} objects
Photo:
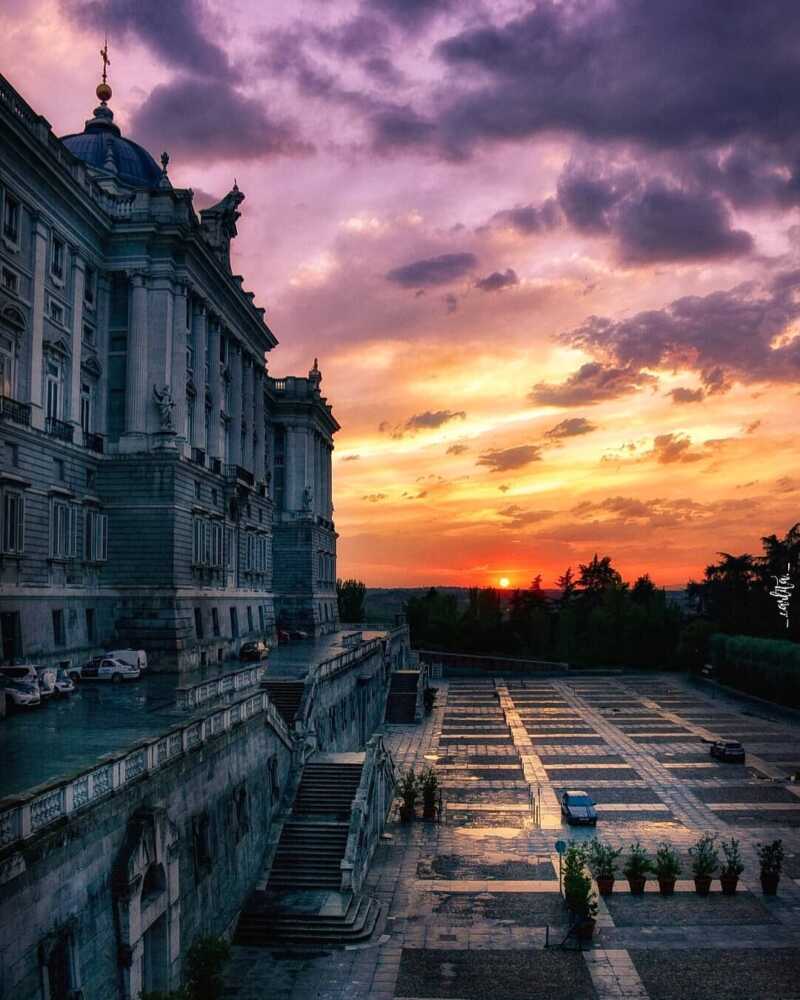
[{"x": 147, "y": 906}]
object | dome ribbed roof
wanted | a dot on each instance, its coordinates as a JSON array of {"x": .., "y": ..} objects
[{"x": 101, "y": 145}]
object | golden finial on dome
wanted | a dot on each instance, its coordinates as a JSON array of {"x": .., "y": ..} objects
[{"x": 103, "y": 90}]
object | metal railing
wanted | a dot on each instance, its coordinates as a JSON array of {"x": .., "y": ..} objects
[
  {"x": 12, "y": 409},
  {"x": 94, "y": 442},
  {"x": 198, "y": 456},
  {"x": 59, "y": 429},
  {"x": 239, "y": 474}
]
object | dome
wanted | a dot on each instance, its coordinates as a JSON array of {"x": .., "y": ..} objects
[{"x": 101, "y": 145}]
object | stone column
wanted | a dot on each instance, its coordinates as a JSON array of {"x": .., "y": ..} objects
[
  {"x": 102, "y": 315},
  {"x": 258, "y": 389},
  {"x": 330, "y": 483},
  {"x": 290, "y": 474},
  {"x": 138, "y": 394},
  {"x": 214, "y": 443},
  {"x": 78, "y": 283},
  {"x": 236, "y": 403},
  {"x": 180, "y": 332},
  {"x": 200, "y": 337},
  {"x": 247, "y": 410},
  {"x": 40, "y": 238}
]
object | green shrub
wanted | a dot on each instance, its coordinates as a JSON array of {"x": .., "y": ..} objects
[
  {"x": 705, "y": 857},
  {"x": 668, "y": 864},
  {"x": 602, "y": 859},
  {"x": 733, "y": 863},
  {"x": 767, "y": 668},
  {"x": 638, "y": 863},
  {"x": 770, "y": 857}
]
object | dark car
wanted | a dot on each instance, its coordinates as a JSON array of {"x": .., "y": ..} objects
[
  {"x": 283, "y": 635},
  {"x": 578, "y": 807},
  {"x": 253, "y": 650},
  {"x": 298, "y": 633},
  {"x": 728, "y": 751}
]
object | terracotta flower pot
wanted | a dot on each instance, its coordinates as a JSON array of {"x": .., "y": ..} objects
[
  {"x": 636, "y": 885},
  {"x": 702, "y": 885},
  {"x": 769, "y": 884},
  {"x": 586, "y": 929},
  {"x": 666, "y": 886},
  {"x": 729, "y": 883},
  {"x": 429, "y": 811},
  {"x": 605, "y": 886}
]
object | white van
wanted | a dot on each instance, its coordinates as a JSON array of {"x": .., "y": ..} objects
[{"x": 134, "y": 657}]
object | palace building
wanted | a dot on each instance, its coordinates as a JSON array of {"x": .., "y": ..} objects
[{"x": 159, "y": 489}]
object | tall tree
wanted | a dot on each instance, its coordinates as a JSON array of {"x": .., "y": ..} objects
[{"x": 350, "y": 596}]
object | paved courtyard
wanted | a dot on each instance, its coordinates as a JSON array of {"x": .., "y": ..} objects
[{"x": 471, "y": 904}]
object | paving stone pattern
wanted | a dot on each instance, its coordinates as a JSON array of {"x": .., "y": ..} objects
[{"x": 468, "y": 904}]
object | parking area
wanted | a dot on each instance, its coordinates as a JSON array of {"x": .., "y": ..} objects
[{"x": 471, "y": 903}]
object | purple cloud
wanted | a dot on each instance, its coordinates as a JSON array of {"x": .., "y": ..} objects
[
  {"x": 498, "y": 280},
  {"x": 571, "y": 427},
  {"x": 591, "y": 383},
  {"x": 431, "y": 271},
  {"x": 506, "y": 459}
]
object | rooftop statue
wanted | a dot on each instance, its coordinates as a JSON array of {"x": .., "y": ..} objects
[{"x": 219, "y": 224}]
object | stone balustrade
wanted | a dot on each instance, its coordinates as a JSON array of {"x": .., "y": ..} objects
[
  {"x": 368, "y": 813},
  {"x": 23, "y": 816},
  {"x": 226, "y": 686}
]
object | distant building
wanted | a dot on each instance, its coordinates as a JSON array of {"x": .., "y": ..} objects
[{"x": 158, "y": 488}]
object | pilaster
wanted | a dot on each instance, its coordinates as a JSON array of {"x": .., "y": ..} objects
[
  {"x": 179, "y": 337},
  {"x": 136, "y": 382},
  {"x": 200, "y": 339},
  {"x": 40, "y": 238},
  {"x": 214, "y": 444},
  {"x": 258, "y": 390},
  {"x": 236, "y": 404},
  {"x": 78, "y": 284}
]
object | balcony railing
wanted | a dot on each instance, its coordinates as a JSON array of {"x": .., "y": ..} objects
[
  {"x": 215, "y": 464},
  {"x": 239, "y": 474},
  {"x": 198, "y": 456},
  {"x": 11, "y": 409},
  {"x": 94, "y": 442},
  {"x": 59, "y": 429}
]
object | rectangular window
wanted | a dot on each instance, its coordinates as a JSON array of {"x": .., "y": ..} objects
[
  {"x": 10, "y": 281},
  {"x": 13, "y": 522},
  {"x": 11, "y": 216},
  {"x": 59, "y": 637},
  {"x": 249, "y": 619},
  {"x": 91, "y": 627},
  {"x": 216, "y": 543},
  {"x": 262, "y": 618},
  {"x": 57, "y": 258},
  {"x": 7, "y": 380},
  {"x": 53, "y": 386},
  {"x": 248, "y": 552},
  {"x": 12, "y": 451},
  {"x": 198, "y": 535},
  {"x": 64, "y": 530},
  {"x": 234, "y": 623},
  {"x": 86, "y": 408},
  {"x": 215, "y": 621},
  {"x": 96, "y": 536},
  {"x": 56, "y": 312},
  {"x": 190, "y": 419},
  {"x": 88, "y": 286},
  {"x": 230, "y": 549},
  {"x": 198, "y": 623},
  {"x": 59, "y": 464}
]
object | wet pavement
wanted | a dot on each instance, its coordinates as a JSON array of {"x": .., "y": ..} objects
[
  {"x": 67, "y": 735},
  {"x": 469, "y": 904}
]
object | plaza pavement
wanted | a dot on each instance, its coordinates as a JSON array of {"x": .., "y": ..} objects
[{"x": 470, "y": 904}]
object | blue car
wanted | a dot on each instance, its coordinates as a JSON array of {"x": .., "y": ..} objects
[{"x": 578, "y": 807}]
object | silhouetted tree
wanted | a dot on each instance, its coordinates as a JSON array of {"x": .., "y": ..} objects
[{"x": 350, "y": 596}]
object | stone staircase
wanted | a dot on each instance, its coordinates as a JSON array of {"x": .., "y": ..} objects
[
  {"x": 286, "y": 697},
  {"x": 337, "y": 920},
  {"x": 301, "y": 903}
]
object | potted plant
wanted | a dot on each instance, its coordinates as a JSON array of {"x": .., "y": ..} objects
[
  {"x": 770, "y": 857},
  {"x": 637, "y": 867},
  {"x": 583, "y": 903},
  {"x": 705, "y": 861},
  {"x": 732, "y": 866},
  {"x": 429, "y": 698},
  {"x": 668, "y": 868},
  {"x": 602, "y": 859},
  {"x": 429, "y": 784},
  {"x": 573, "y": 862},
  {"x": 409, "y": 792}
]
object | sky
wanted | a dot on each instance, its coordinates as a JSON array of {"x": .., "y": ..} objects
[{"x": 547, "y": 254}]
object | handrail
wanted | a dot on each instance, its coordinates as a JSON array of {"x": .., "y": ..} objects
[
  {"x": 368, "y": 812},
  {"x": 195, "y": 695},
  {"x": 23, "y": 816}
]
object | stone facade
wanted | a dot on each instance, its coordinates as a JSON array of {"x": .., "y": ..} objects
[{"x": 158, "y": 487}]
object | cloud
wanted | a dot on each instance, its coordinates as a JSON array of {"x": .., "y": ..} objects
[
  {"x": 211, "y": 120},
  {"x": 497, "y": 280},
  {"x": 528, "y": 219},
  {"x": 598, "y": 71},
  {"x": 752, "y": 427},
  {"x": 744, "y": 333},
  {"x": 399, "y": 128},
  {"x": 518, "y": 517},
  {"x": 591, "y": 383},
  {"x": 506, "y": 459},
  {"x": 457, "y": 449},
  {"x": 432, "y": 271},
  {"x": 431, "y": 419},
  {"x": 588, "y": 191},
  {"x": 669, "y": 448},
  {"x": 571, "y": 427},
  {"x": 682, "y": 395},
  {"x": 410, "y": 15},
  {"x": 374, "y": 497},
  {"x": 172, "y": 31},
  {"x": 351, "y": 458}
]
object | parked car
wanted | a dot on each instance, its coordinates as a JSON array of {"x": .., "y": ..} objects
[
  {"x": 254, "y": 649},
  {"x": 136, "y": 657},
  {"x": 109, "y": 669},
  {"x": 728, "y": 751},
  {"x": 75, "y": 671},
  {"x": 578, "y": 807},
  {"x": 298, "y": 633},
  {"x": 64, "y": 683},
  {"x": 283, "y": 635},
  {"x": 21, "y": 672},
  {"x": 20, "y": 693}
]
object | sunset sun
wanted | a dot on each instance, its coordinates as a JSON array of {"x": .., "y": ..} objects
[{"x": 504, "y": 582}]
